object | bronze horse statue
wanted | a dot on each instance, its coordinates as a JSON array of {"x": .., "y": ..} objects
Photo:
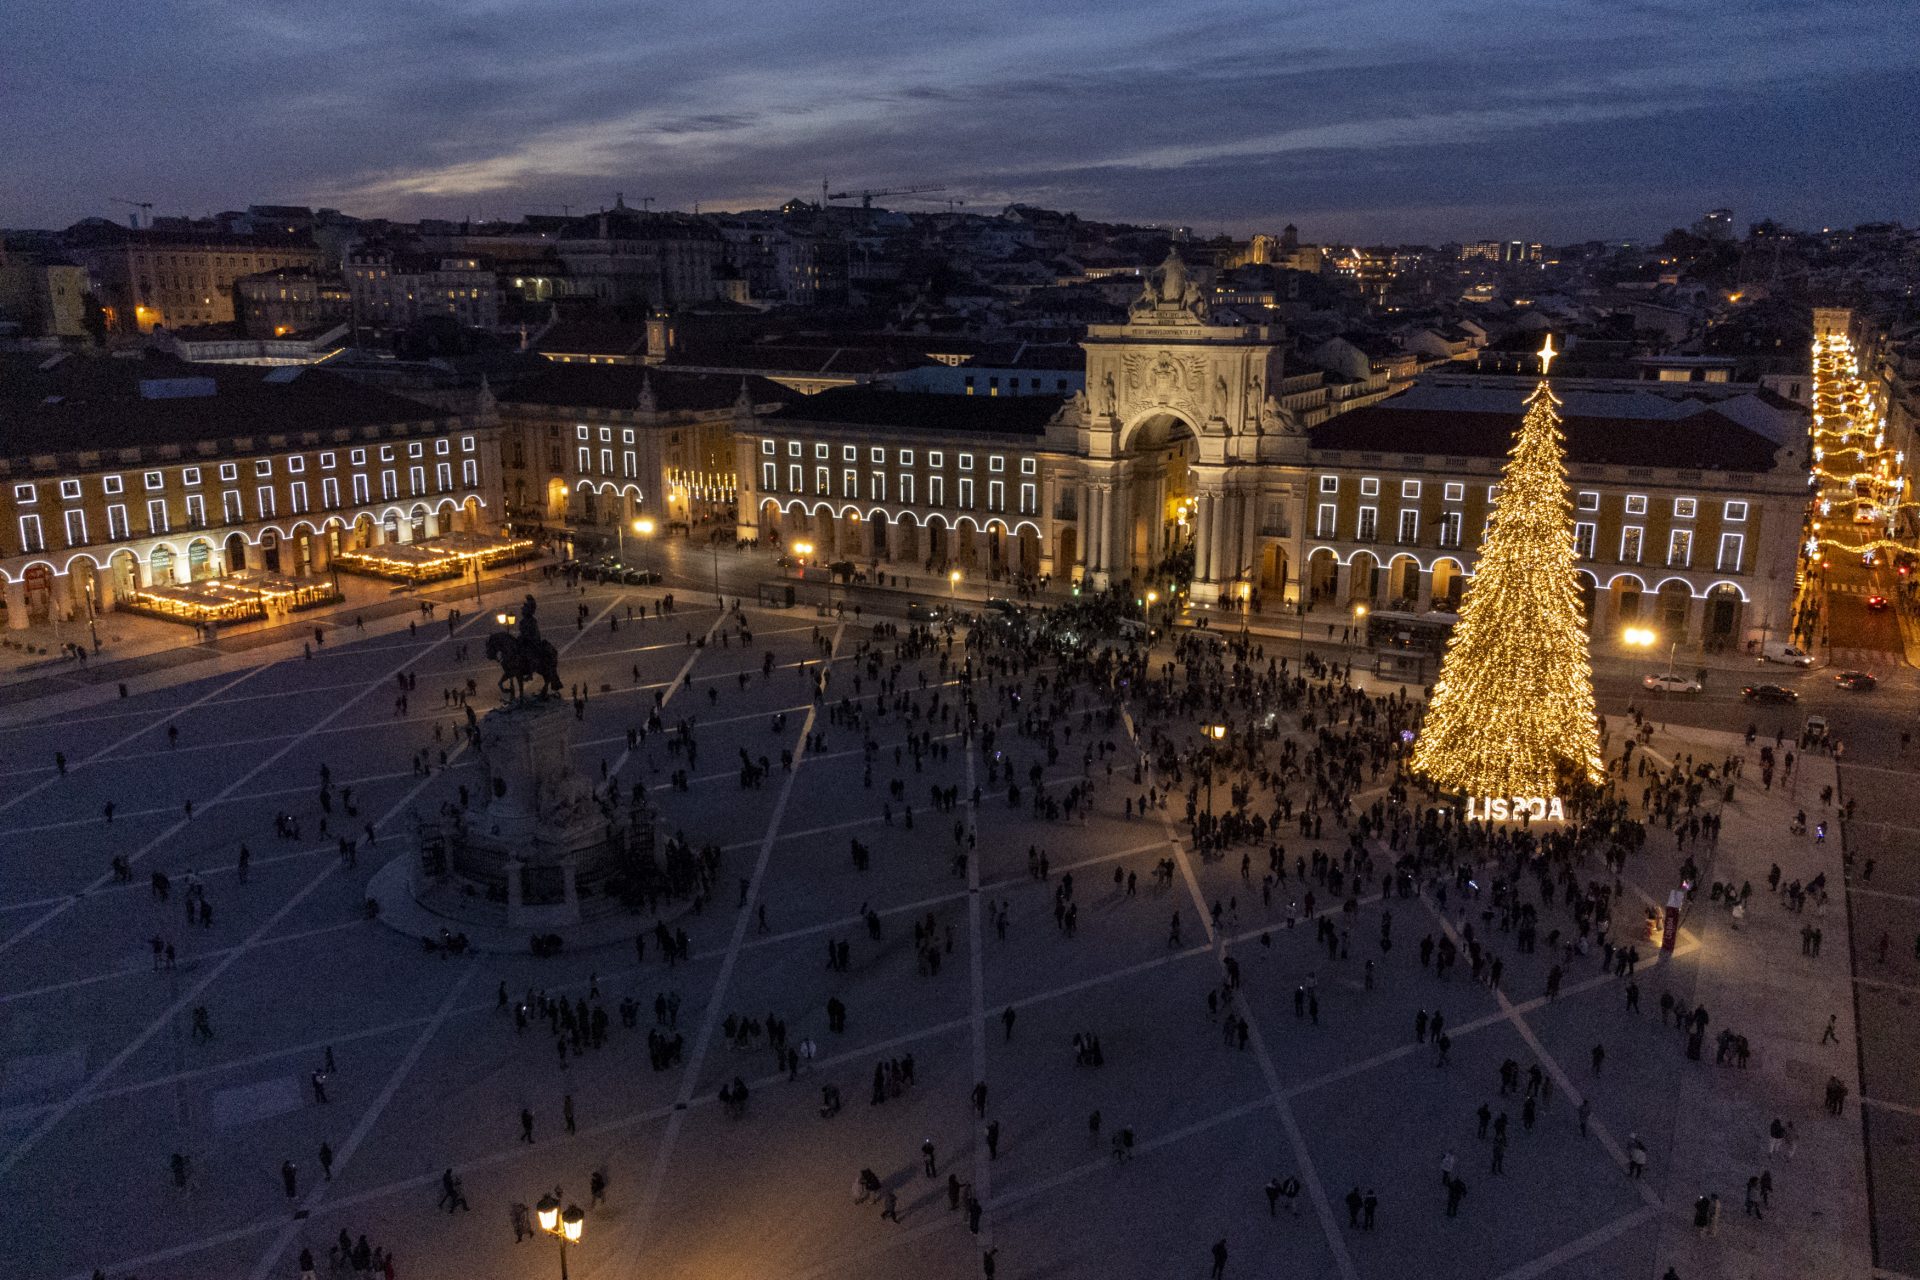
[{"x": 521, "y": 660}]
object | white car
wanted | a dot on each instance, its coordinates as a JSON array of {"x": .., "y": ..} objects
[
  {"x": 1788, "y": 654},
  {"x": 1669, "y": 682}
]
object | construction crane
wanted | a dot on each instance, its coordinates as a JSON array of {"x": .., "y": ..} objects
[
  {"x": 144, "y": 206},
  {"x": 866, "y": 197}
]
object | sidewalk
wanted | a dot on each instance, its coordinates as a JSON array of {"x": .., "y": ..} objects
[{"x": 1754, "y": 980}]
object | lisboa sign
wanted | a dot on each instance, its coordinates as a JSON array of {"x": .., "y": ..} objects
[{"x": 1513, "y": 808}]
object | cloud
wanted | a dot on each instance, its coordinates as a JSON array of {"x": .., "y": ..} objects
[{"x": 1380, "y": 114}]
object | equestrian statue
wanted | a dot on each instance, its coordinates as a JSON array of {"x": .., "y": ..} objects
[{"x": 524, "y": 656}]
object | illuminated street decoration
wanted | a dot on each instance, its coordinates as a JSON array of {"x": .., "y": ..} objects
[
  {"x": 1513, "y": 711},
  {"x": 1860, "y": 489}
]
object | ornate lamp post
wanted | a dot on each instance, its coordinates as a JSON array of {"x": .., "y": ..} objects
[{"x": 563, "y": 1226}]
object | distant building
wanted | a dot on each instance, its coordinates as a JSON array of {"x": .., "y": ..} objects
[
  {"x": 177, "y": 277},
  {"x": 291, "y": 300},
  {"x": 46, "y": 297},
  {"x": 393, "y": 290},
  {"x": 624, "y": 256}
]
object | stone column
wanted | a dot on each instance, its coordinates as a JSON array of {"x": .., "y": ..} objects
[
  {"x": 1342, "y": 584},
  {"x": 1423, "y": 599},
  {"x": 1203, "y": 539},
  {"x": 1097, "y": 528},
  {"x": 16, "y": 606}
]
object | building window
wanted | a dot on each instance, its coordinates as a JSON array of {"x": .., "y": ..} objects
[
  {"x": 966, "y": 493},
  {"x": 70, "y": 489},
  {"x": 822, "y": 480},
  {"x": 264, "y": 497},
  {"x": 117, "y": 527},
  {"x": 584, "y": 433},
  {"x": 966, "y": 462},
  {"x": 76, "y": 528},
  {"x": 31, "y": 538},
  {"x": 1409, "y": 525},
  {"x": 1329, "y": 484},
  {"x": 1367, "y": 529},
  {"x": 795, "y": 482},
  {"x": 1029, "y": 466},
  {"x": 766, "y": 447},
  {"x": 1680, "y": 548},
  {"x": 1409, "y": 488},
  {"x": 1587, "y": 500},
  {"x": 196, "y": 511},
  {"x": 157, "y": 521},
  {"x": 361, "y": 490},
  {"x": 793, "y": 448},
  {"x": 1683, "y": 508},
  {"x": 822, "y": 451},
  {"x": 470, "y": 471},
  {"x": 1450, "y": 529},
  {"x": 1630, "y": 540},
  {"x": 263, "y": 466},
  {"x": 1326, "y": 519},
  {"x": 24, "y": 493},
  {"x": 356, "y": 457},
  {"x": 770, "y": 476},
  {"x": 1636, "y": 504},
  {"x": 443, "y": 476},
  {"x": 906, "y": 457},
  {"x": 606, "y": 462},
  {"x": 155, "y": 480},
  {"x": 586, "y": 459},
  {"x": 850, "y": 481},
  {"x": 389, "y": 484},
  {"x": 1583, "y": 535},
  {"x": 996, "y": 463},
  {"x": 1735, "y": 512},
  {"x": 296, "y": 464},
  {"x": 935, "y": 458},
  {"x": 849, "y": 453},
  {"x": 1029, "y": 499},
  {"x": 111, "y": 484},
  {"x": 936, "y": 491},
  {"x": 996, "y": 495},
  {"x": 330, "y": 491},
  {"x": 1731, "y": 546},
  {"x": 1455, "y": 491},
  {"x": 1370, "y": 486},
  {"x": 327, "y": 461},
  {"x": 441, "y": 448},
  {"x": 877, "y": 455},
  {"x": 877, "y": 481},
  {"x": 906, "y": 487}
]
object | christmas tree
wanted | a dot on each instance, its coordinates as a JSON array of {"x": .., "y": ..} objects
[{"x": 1512, "y": 713}]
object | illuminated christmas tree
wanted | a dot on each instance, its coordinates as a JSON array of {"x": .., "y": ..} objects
[{"x": 1512, "y": 713}]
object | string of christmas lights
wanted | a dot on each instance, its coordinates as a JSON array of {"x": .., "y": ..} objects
[
  {"x": 1513, "y": 710},
  {"x": 1860, "y": 486}
]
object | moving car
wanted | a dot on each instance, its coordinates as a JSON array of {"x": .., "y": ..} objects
[
  {"x": 640, "y": 577},
  {"x": 1769, "y": 693},
  {"x": 1858, "y": 681},
  {"x": 1791, "y": 655},
  {"x": 1876, "y": 603},
  {"x": 1002, "y": 604},
  {"x": 917, "y": 612},
  {"x": 1671, "y": 682}
]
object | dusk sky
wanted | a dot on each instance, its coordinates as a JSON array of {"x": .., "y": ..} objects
[{"x": 1371, "y": 120}]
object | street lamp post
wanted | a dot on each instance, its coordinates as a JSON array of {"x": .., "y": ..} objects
[
  {"x": 643, "y": 527},
  {"x": 92, "y": 628},
  {"x": 562, "y": 1226},
  {"x": 953, "y": 584},
  {"x": 1216, "y": 733}
]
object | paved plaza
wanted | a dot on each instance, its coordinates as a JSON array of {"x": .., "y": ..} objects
[{"x": 106, "y": 1078}]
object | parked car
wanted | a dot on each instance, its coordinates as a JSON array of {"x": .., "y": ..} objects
[
  {"x": 1769, "y": 693},
  {"x": 1876, "y": 603},
  {"x": 640, "y": 577},
  {"x": 917, "y": 612},
  {"x": 1672, "y": 682},
  {"x": 1791, "y": 655},
  {"x": 1858, "y": 681}
]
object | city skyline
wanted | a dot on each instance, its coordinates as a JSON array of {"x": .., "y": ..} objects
[{"x": 1375, "y": 124}]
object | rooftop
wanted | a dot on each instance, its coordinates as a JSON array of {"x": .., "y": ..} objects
[
  {"x": 868, "y": 407},
  {"x": 614, "y": 386},
  {"x": 74, "y": 402},
  {"x": 1619, "y": 431}
]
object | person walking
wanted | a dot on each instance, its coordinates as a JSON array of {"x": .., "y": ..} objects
[
  {"x": 326, "y": 1160},
  {"x": 927, "y": 1161},
  {"x": 290, "y": 1178},
  {"x": 526, "y": 1126},
  {"x": 1273, "y": 1197},
  {"x": 993, "y": 1139},
  {"x": 1219, "y": 1258},
  {"x": 891, "y": 1207}
]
